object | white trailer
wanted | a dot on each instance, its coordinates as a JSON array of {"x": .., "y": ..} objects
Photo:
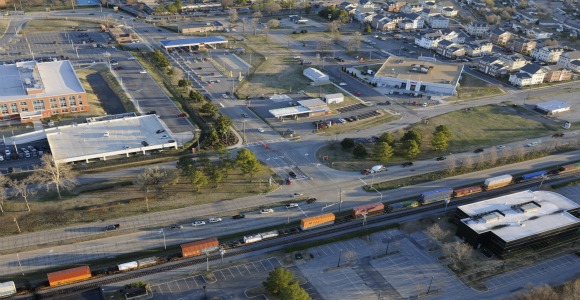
[
  {"x": 128, "y": 266},
  {"x": 7, "y": 288},
  {"x": 252, "y": 238},
  {"x": 269, "y": 234},
  {"x": 498, "y": 181}
]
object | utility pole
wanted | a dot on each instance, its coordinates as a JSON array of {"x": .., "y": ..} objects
[
  {"x": 207, "y": 262},
  {"x": 430, "y": 282},
  {"x": 340, "y": 200}
]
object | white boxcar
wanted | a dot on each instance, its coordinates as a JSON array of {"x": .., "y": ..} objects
[
  {"x": 269, "y": 234},
  {"x": 7, "y": 288},
  {"x": 252, "y": 238},
  {"x": 147, "y": 261},
  {"x": 497, "y": 181},
  {"x": 128, "y": 266}
]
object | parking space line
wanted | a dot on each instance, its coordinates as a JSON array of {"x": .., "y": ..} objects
[
  {"x": 230, "y": 269},
  {"x": 247, "y": 269},
  {"x": 194, "y": 281},
  {"x": 255, "y": 267},
  {"x": 322, "y": 250},
  {"x": 169, "y": 287},
  {"x": 239, "y": 271},
  {"x": 271, "y": 264},
  {"x": 261, "y": 262}
]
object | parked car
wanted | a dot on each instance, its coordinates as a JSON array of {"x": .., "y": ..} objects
[
  {"x": 160, "y": 131},
  {"x": 292, "y": 174},
  {"x": 266, "y": 211},
  {"x": 298, "y": 256},
  {"x": 297, "y": 195},
  {"x": 245, "y": 115},
  {"x": 239, "y": 216},
  {"x": 500, "y": 147},
  {"x": 198, "y": 223},
  {"x": 365, "y": 172},
  {"x": 532, "y": 144},
  {"x": 215, "y": 220}
]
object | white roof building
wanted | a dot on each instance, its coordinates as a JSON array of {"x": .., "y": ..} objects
[
  {"x": 553, "y": 107},
  {"x": 315, "y": 75}
]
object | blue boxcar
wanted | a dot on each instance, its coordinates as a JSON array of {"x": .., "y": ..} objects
[
  {"x": 436, "y": 195},
  {"x": 534, "y": 175}
]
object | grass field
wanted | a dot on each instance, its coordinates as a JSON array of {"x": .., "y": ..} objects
[
  {"x": 474, "y": 128},
  {"x": 120, "y": 199},
  {"x": 3, "y": 25},
  {"x": 95, "y": 107},
  {"x": 384, "y": 118},
  {"x": 474, "y": 88},
  {"x": 55, "y": 25}
]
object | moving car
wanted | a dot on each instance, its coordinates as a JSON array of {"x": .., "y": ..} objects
[
  {"x": 478, "y": 150},
  {"x": 311, "y": 200},
  {"x": 215, "y": 220},
  {"x": 239, "y": 216},
  {"x": 266, "y": 211},
  {"x": 175, "y": 227},
  {"x": 112, "y": 227},
  {"x": 292, "y": 174},
  {"x": 500, "y": 147},
  {"x": 407, "y": 164},
  {"x": 532, "y": 144},
  {"x": 297, "y": 195},
  {"x": 440, "y": 158},
  {"x": 143, "y": 71},
  {"x": 260, "y": 130},
  {"x": 198, "y": 223},
  {"x": 291, "y": 205}
]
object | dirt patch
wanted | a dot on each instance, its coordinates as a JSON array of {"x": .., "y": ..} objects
[{"x": 56, "y": 25}]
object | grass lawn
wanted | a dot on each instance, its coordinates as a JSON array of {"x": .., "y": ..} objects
[
  {"x": 474, "y": 128},
  {"x": 385, "y": 117},
  {"x": 55, "y": 25},
  {"x": 120, "y": 199},
  {"x": 96, "y": 108},
  {"x": 474, "y": 88},
  {"x": 3, "y": 25}
]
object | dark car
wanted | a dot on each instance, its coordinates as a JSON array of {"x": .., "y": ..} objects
[
  {"x": 440, "y": 158},
  {"x": 407, "y": 164},
  {"x": 112, "y": 227},
  {"x": 10, "y": 170},
  {"x": 144, "y": 143},
  {"x": 175, "y": 227},
  {"x": 239, "y": 216},
  {"x": 478, "y": 150},
  {"x": 160, "y": 131},
  {"x": 292, "y": 174},
  {"x": 311, "y": 200},
  {"x": 298, "y": 256}
]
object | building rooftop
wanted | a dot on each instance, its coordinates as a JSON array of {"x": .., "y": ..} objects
[
  {"x": 113, "y": 137},
  {"x": 193, "y": 41},
  {"x": 520, "y": 215},
  {"x": 31, "y": 80},
  {"x": 552, "y": 105},
  {"x": 400, "y": 67}
]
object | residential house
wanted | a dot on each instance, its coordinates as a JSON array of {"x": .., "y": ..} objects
[
  {"x": 538, "y": 34},
  {"x": 477, "y": 28},
  {"x": 428, "y": 13},
  {"x": 410, "y": 8},
  {"x": 556, "y": 74},
  {"x": 548, "y": 54},
  {"x": 450, "y": 49},
  {"x": 429, "y": 40},
  {"x": 366, "y": 4},
  {"x": 500, "y": 37},
  {"x": 438, "y": 21},
  {"x": 361, "y": 13},
  {"x": 492, "y": 65},
  {"x": 478, "y": 48},
  {"x": 514, "y": 61},
  {"x": 530, "y": 74},
  {"x": 570, "y": 60},
  {"x": 395, "y": 6},
  {"x": 411, "y": 21},
  {"x": 521, "y": 45},
  {"x": 429, "y": 4},
  {"x": 385, "y": 22},
  {"x": 451, "y": 35}
]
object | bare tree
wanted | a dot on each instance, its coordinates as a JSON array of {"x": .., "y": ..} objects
[
  {"x": 450, "y": 165},
  {"x": 227, "y": 3},
  {"x": 3, "y": 195},
  {"x": 273, "y": 23},
  {"x": 272, "y": 7},
  {"x": 493, "y": 156},
  {"x": 333, "y": 27},
  {"x": 154, "y": 179},
  {"x": 233, "y": 15},
  {"x": 544, "y": 292},
  {"x": 59, "y": 176},
  {"x": 459, "y": 252},
  {"x": 24, "y": 187},
  {"x": 481, "y": 160},
  {"x": 520, "y": 152},
  {"x": 437, "y": 232},
  {"x": 354, "y": 42},
  {"x": 467, "y": 163},
  {"x": 571, "y": 290}
]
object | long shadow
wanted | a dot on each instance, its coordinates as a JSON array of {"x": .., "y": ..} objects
[{"x": 109, "y": 100}]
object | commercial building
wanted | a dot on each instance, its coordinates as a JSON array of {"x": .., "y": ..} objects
[
  {"x": 119, "y": 35},
  {"x": 553, "y": 107},
  {"x": 210, "y": 41},
  {"x": 32, "y": 91},
  {"x": 419, "y": 76},
  {"x": 109, "y": 139},
  {"x": 305, "y": 108},
  {"x": 315, "y": 75},
  {"x": 519, "y": 221},
  {"x": 201, "y": 27}
]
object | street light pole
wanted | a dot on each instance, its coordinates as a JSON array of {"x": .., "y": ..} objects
[
  {"x": 430, "y": 282},
  {"x": 339, "y": 256},
  {"x": 204, "y": 293}
]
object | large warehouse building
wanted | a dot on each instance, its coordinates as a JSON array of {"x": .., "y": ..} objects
[
  {"x": 419, "y": 76},
  {"x": 32, "y": 91},
  {"x": 519, "y": 221}
]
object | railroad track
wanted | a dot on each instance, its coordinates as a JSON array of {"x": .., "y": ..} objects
[{"x": 341, "y": 224}]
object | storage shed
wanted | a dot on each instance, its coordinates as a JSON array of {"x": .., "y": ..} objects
[
  {"x": 553, "y": 107},
  {"x": 333, "y": 98},
  {"x": 315, "y": 75}
]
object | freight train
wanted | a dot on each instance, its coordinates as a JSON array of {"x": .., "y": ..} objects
[{"x": 211, "y": 245}]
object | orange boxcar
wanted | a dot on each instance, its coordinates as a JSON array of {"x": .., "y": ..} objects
[
  {"x": 315, "y": 221},
  {"x": 369, "y": 208},
  {"x": 467, "y": 191},
  {"x": 69, "y": 275},
  {"x": 199, "y": 247}
]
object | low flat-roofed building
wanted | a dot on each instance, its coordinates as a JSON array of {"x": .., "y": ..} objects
[
  {"x": 419, "y": 76},
  {"x": 109, "y": 139},
  {"x": 119, "y": 35},
  {"x": 201, "y": 27},
  {"x": 553, "y": 107},
  {"x": 519, "y": 221},
  {"x": 306, "y": 108},
  {"x": 33, "y": 91}
]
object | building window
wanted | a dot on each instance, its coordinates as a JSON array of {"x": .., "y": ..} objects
[
  {"x": 4, "y": 109},
  {"x": 52, "y": 100},
  {"x": 82, "y": 108},
  {"x": 54, "y": 105},
  {"x": 62, "y": 101},
  {"x": 65, "y": 110},
  {"x": 38, "y": 104},
  {"x": 24, "y": 109},
  {"x": 79, "y": 97},
  {"x": 23, "y": 103},
  {"x": 55, "y": 112},
  {"x": 72, "y": 101},
  {"x": 80, "y": 102},
  {"x": 73, "y": 109},
  {"x": 14, "y": 108}
]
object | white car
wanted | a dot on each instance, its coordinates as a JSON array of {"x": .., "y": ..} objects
[
  {"x": 215, "y": 220},
  {"x": 198, "y": 223},
  {"x": 532, "y": 144},
  {"x": 297, "y": 195},
  {"x": 342, "y": 84},
  {"x": 266, "y": 211},
  {"x": 143, "y": 71},
  {"x": 7, "y": 151},
  {"x": 132, "y": 58},
  {"x": 342, "y": 121},
  {"x": 291, "y": 205},
  {"x": 260, "y": 130},
  {"x": 500, "y": 147}
]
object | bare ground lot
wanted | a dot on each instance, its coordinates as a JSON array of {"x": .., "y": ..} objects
[
  {"x": 55, "y": 25},
  {"x": 472, "y": 88}
]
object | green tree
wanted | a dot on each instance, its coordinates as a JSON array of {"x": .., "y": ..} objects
[
  {"x": 294, "y": 291},
  {"x": 444, "y": 129},
  {"x": 216, "y": 174},
  {"x": 360, "y": 151},
  {"x": 198, "y": 179},
  {"x": 178, "y": 5},
  {"x": 212, "y": 138},
  {"x": 185, "y": 165},
  {"x": 411, "y": 148},
  {"x": 277, "y": 280},
  {"x": 382, "y": 151},
  {"x": 209, "y": 108},
  {"x": 439, "y": 141},
  {"x": 347, "y": 143},
  {"x": 412, "y": 135},
  {"x": 388, "y": 138},
  {"x": 368, "y": 28},
  {"x": 223, "y": 124},
  {"x": 172, "y": 8},
  {"x": 248, "y": 163}
]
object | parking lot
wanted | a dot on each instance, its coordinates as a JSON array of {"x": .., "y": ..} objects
[{"x": 24, "y": 157}]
